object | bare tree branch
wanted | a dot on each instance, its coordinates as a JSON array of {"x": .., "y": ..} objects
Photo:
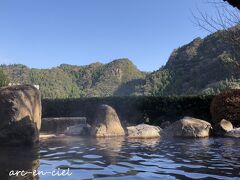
[
  {"x": 226, "y": 21},
  {"x": 234, "y": 3},
  {"x": 225, "y": 17}
]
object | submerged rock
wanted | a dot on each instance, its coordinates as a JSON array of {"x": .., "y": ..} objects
[
  {"x": 20, "y": 112},
  {"x": 233, "y": 133},
  {"x": 189, "y": 127},
  {"x": 78, "y": 130},
  {"x": 106, "y": 123},
  {"x": 143, "y": 131}
]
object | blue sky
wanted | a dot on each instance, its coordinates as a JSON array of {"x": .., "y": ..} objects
[{"x": 47, "y": 33}]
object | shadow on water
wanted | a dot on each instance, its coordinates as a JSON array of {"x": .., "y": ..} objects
[{"x": 19, "y": 159}]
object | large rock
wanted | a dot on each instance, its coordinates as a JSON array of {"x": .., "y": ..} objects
[
  {"x": 20, "y": 112},
  {"x": 78, "y": 130},
  {"x": 223, "y": 127},
  {"x": 143, "y": 131},
  {"x": 189, "y": 127},
  {"x": 226, "y": 105},
  {"x": 106, "y": 123},
  {"x": 233, "y": 133}
]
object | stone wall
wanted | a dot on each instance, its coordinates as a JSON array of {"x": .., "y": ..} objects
[{"x": 59, "y": 124}]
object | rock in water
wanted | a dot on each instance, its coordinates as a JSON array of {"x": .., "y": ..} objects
[
  {"x": 20, "y": 112},
  {"x": 233, "y": 133},
  {"x": 189, "y": 127},
  {"x": 78, "y": 130},
  {"x": 106, "y": 123},
  {"x": 226, "y": 125},
  {"x": 223, "y": 127},
  {"x": 143, "y": 131}
]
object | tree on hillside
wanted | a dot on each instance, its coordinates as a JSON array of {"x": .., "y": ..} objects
[{"x": 3, "y": 79}]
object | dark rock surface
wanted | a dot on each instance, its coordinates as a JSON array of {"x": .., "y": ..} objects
[{"x": 20, "y": 112}]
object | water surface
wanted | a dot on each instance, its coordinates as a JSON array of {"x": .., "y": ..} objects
[{"x": 119, "y": 158}]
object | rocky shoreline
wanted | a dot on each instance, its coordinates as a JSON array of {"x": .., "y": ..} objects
[
  {"x": 108, "y": 124},
  {"x": 21, "y": 121}
]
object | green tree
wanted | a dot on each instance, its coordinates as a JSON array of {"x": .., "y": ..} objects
[{"x": 3, "y": 79}]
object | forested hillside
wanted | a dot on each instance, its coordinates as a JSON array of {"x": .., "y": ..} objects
[
  {"x": 204, "y": 66},
  {"x": 68, "y": 81}
]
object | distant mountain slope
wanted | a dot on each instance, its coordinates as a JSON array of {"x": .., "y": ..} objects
[
  {"x": 68, "y": 81},
  {"x": 204, "y": 66}
]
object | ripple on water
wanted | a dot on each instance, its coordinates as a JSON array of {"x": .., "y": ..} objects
[
  {"x": 167, "y": 159},
  {"x": 92, "y": 156}
]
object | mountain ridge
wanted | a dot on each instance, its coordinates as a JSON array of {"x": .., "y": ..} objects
[
  {"x": 204, "y": 66},
  {"x": 71, "y": 81}
]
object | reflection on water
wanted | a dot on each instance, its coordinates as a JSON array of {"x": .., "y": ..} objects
[
  {"x": 145, "y": 142},
  {"x": 119, "y": 158},
  {"x": 15, "y": 159}
]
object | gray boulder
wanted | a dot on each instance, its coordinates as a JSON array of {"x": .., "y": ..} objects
[
  {"x": 189, "y": 127},
  {"x": 106, "y": 123},
  {"x": 233, "y": 133},
  {"x": 20, "y": 112},
  {"x": 143, "y": 131},
  {"x": 78, "y": 130}
]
